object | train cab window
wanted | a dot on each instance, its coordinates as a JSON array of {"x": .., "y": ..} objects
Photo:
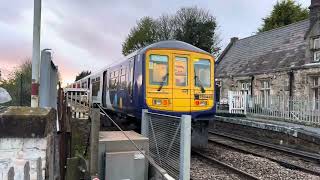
[
  {"x": 181, "y": 71},
  {"x": 158, "y": 70},
  {"x": 202, "y": 73}
]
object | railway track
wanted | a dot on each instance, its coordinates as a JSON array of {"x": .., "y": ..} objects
[
  {"x": 307, "y": 160},
  {"x": 225, "y": 166}
]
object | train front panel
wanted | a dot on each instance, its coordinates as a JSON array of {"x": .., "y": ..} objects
[{"x": 179, "y": 82}]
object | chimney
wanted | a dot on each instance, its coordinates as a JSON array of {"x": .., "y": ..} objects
[
  {"x": 314, "y": 11},
  {"x": 234, "y": 39}
]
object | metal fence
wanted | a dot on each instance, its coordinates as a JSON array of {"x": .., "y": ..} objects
[
  {"x": 169, "y": 142},
  {"x": 282, "y": 107}
]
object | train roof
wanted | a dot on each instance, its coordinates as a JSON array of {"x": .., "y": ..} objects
[{"x": 172, "y": 44}]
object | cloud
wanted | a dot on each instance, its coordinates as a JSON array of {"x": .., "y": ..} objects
[{"x": 87, "y": 35}]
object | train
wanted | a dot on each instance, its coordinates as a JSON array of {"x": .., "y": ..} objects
[{"x": 167, "y": 77}]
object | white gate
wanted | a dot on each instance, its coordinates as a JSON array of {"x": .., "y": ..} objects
[{"x": 237, "y": 102}]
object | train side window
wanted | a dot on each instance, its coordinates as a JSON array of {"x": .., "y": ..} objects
[
  {"x": 158, "y": 70},
  {"x": 181, "y": 71},
  {"x": 123, "y": 81},
  {"x": 130, "y": 76}
]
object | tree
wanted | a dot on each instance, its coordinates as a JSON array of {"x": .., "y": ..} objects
[
  {"x": 192, "y": 25},
  {"x": 197, "y": 27},
  {"x": 284, "y": 12},
  {"x": 141, "y": 35},
  {"x": 18, "y": 84},
  {"x": 82, "y": 74}
]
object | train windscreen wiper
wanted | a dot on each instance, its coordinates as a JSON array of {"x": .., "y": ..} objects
[
  {"x": 164, "y": 78},
  {"x": 200, "y": 83}
]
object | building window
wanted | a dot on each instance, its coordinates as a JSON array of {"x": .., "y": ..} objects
[
  {"x": 316, "y": 48},
  {"x": 316, "y": 56},
  {"x": 316, "y": 43},
  {"x": 265, "y": 93},
  {"x": 315, "y": 91},
  {"x": 245, "y": 87}
]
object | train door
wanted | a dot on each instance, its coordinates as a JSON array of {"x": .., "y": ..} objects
[
  {"x": 159, "y": 80},
  {"x": 181, "y": 83}
]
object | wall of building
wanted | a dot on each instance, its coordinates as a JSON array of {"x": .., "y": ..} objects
[{"x": 279, "y": 83}]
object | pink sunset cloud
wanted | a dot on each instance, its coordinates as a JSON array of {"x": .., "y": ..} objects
[{"x": 87, "y": 35}]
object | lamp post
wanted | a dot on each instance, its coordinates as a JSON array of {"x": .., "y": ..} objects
[{"x": 36, "y": 54}]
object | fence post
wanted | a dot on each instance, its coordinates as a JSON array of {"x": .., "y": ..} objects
[
  {"x": 185, "y": 147},
  {"x": 94, "y": 141},
  {"x": 245, "y": 103},
  {"x": 144, "y": 123}
]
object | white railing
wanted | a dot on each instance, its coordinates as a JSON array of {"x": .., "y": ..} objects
[
  {"x": 283, "y": 107},
  {"x": 237, "y": 102},
  {"x": 280, "y": 107},
  {"x": 79, "y": 100}
]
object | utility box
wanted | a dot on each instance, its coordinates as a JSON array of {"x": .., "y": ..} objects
[{"x": 118, "y": 157}]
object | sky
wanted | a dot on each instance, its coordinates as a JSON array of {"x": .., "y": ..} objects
[{"x": 88, "y": 35}]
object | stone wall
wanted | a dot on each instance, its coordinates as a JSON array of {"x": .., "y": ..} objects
[
  {"x": 27, "y": 143},
  {"x": 279, "y": 83}
]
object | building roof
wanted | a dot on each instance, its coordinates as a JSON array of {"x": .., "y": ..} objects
[{"x": 281, "y": 48}]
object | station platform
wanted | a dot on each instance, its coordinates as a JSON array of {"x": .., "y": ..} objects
[{"x": 293, "y": 135}]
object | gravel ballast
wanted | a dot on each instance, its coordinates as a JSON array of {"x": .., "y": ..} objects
[{"x": 260, "y": 167}]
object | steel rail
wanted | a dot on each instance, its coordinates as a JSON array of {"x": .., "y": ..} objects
[
  {"x": 282, "y": 163},
  {"x": 304, "y": 154},
  {"x": 236, "y": 170}
]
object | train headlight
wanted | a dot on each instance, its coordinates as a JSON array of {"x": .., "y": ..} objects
[
  {"x": 157, "y": 102},
  {"x": 203, "y": 103},
  {"x": 161, "y": 102}
]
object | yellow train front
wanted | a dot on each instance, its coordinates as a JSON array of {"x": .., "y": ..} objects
[{"x": 179, "y": 80}]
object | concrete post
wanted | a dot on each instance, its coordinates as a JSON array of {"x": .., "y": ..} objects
[
  {"x": 11, "y": 174},
  {"x": 44, "y": 89},
  {"x": 26, "y": 173},
  {"x": 39, "y": 169},
  {"x": 94, "y": 141},
  {"x": 144, "y": 123},
  {"x": 185, "y": 147},
  {"x": 36, "y": 54}
]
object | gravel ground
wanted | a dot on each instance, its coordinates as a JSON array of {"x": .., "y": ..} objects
[
  {"x": 260, "y": 167},
  {"x": 278, "y": 155},
  {"x": 202, "y": 169}
]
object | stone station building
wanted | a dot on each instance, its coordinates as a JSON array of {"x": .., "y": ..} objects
[{"x": 280, "y": 62}]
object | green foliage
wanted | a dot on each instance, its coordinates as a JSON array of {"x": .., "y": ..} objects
[
  {"x": 18, "y": 85},
  {"x": 82, "y": 74},
  {"x": 195, "y": 26},
  {"x": 141, "y": 35},
  {"x": 284, "y": 12},
  {"x": 192, "y": 25}
]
